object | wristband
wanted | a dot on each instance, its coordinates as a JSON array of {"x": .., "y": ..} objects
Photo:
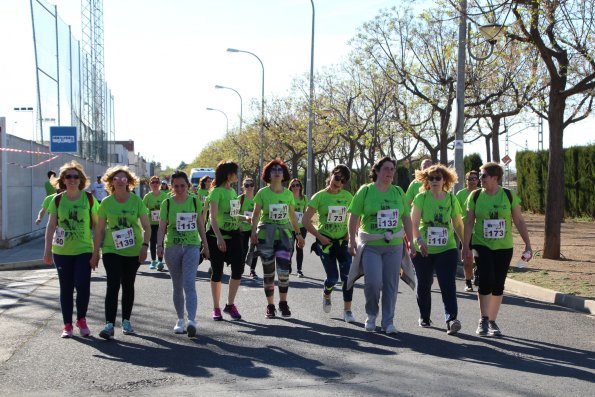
[{"x": 418, "y": 239}]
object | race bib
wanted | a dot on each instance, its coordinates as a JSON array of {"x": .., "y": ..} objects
[
  {"x": 155, "y": 216},
  {"x": 494, "y": 228},
  {"x": 278, "y": 212},
  {"x": 387, "y": 219},
  {"x": 123, "y": 238},
  {"x": 186, "y": 221},
  {"x": 234, "y": 207},
  {"x": 437, "y": 236},
  {"x": 336, "y": 214},
  {"x": 299, "y": 216},
  {"x": 59, "y": 237}
]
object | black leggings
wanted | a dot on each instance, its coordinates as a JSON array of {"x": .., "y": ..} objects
[
  {"x": 233, "y": 256},
  {"x": 153, "y": 245},
  {"x": 299, "y": 252},
  {"x": 120, "y": 270},
  {"x": 492, "y": 268},
  {"x": 246, "y": 246}
]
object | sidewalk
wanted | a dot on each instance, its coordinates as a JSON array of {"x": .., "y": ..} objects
[{"x": 30, "y": 255}]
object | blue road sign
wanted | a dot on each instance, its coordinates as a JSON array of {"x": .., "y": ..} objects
[{"x": 63, "y": 140}]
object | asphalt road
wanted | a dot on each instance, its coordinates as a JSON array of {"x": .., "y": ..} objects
[{"x": 546, "y": 350}]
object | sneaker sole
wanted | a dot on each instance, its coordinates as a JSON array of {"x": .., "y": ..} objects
[
  {"x": 191, "y": 331},
  {"x": 129, "y": 332},
  {"x": 454, "y": 328},
  {"x": 494, "y": 334},
  {"x": 106, "y": 336}
]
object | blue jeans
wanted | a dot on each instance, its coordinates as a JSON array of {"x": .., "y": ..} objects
[
  {"x": 330, "y": 256},
  {"x": 445, "y": 265},
  {"x": 74, "y": 271}
]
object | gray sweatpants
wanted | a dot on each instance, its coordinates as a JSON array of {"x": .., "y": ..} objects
[
  {"x": 382, "y": 265},
  {"x": 182, "y": 262}
]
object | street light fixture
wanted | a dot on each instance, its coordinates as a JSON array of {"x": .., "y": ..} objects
[
  {"x": 226, "y": 119},
  {"x": 240, "y": 133},
  {"x": 261, "y": 144}
]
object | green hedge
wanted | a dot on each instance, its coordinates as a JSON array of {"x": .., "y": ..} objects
[{"x": 579, "y": 180}]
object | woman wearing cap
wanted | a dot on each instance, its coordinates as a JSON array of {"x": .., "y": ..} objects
[
  {"x": 123, "y": 244},
  {"x": 152, "y": 201},
  {"x": 471, "y": 183},
  {"x": 488, "y": 229},
  {"x": 436, "y": 215},
  {"x": 331, "y": 204},
  {"x": 274, "y": 216},
  {"x": 246, "y": 210},
  {"x": 383, "y": 211},
  {"x": 301, "y": 201},
  {"x": 69, "y": 243}
]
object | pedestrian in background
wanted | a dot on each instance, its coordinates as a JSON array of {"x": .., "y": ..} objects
[
  {"x": 152, "y": 201},
  {"x": 471, "y": 184},
  {"x": 301, "y": 201},
  {"x": 49, "y": 184},
  {"x": 69, "y": 243},
  {"x": 414, "y": 186},
  {"x": 246, "y": 211}
]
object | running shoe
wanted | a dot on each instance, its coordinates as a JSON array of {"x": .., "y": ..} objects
[
  {"x": 191, "y": 329},
  {"x": 390, "y": 330},
  {"x": 370, "y": 324},
  {"x": 232, "y": 310},
  {"x": 253, "y": 275},
  {"x": 326, "y": 303},
  {"x": 180, "y": 326},
  {"x": 271, "y": 311},
  {"x": 493, "y": 329},
  {"x": 107, "y": 332},
  {"x": 348, "y": 316},
  {"x": 425, "y": 322},
  {"x": 217, "y": 314},
  {"x": 284, "y": 309},
  {"x": 468, "y": 286},
  {"x": 160, "y": 266},
  {"x": 84, "y": 330},
  {"x": 153, "y": 265},
  {"x": 300, "y": 274},
  {"x": 127, "y": 328},
  {"x": 482, "y": 327},
  {"x": 452, "y": 327},
  {"x": 67, "y": 331}
]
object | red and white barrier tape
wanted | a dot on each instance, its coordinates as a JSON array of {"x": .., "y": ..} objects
[
  {"x": 7, "y": 149},
  {"x": 36, "y": 165}
]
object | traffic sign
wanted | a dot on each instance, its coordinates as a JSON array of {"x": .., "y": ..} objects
[{"x": 63, "y": 139}]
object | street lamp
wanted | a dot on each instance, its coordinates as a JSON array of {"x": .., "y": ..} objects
[
  {"x": 310, "y": 171},
  {"x": 261, "y": 144},
  {"x": 240, "y": 133},
  {"x": 226, "y": 119}
]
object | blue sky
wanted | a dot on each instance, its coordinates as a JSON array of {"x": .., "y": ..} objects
[{"x": 162, "y": 60}]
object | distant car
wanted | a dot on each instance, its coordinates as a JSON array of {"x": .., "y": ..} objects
[{"x": 197, "y": 173}]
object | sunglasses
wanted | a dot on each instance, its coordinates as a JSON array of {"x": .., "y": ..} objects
[
  {"x": 248, "y": 185},
  {"x": 435, "y": 178},
  {"x": 482, "y": 176},
  {"x": 71, "y": 176},
  {"x": 155, "y": 183},
  {"x": 277, "y": 170},
  {"x": 296, "y": 185},
  {"x": 339, "y": 178},
  {"x": 120, "y": 178},
  {"x": 179, "y": 186},
  {"x": 472, "y": 179}
]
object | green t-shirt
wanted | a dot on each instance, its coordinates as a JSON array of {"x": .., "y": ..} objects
[
  {"x": 332, "y": 212},
  {"x": 49, "y": 188},
  {"x": 300, "y": 208},
  {"x": 45, "y": 204},
  {"x": 202, "y": 194},
  {"x": 73, "y": 231},
  {"x": 228, "y": 208},
  {"x": 493, "y": 219},
  {"x": 275, "y": 207},
  {"x": 246, "y": 209},
  {"x": 462, "y": 196},
  {"x": 412, "y": 190},
  {"x": 122, "y": 225},
  {"x": 153, "y": 204},
  {"x": 182, "y": 221},
  {"x": 380, "y": 211},
  {"x": 435, "y": 226}
]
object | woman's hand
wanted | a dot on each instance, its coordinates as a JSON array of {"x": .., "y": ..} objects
[
  {"x": 300, "y": 241},
  {"x": 205, "y": 251},
  {"x": 253, "y": 238},
  {"x": 221, "y": 244},
  {"x": 352, "y": 248},
  {"x": 324, "y": 240},
  {"x": 94, "y": 261},
  {"x": 47, "y": 258}
]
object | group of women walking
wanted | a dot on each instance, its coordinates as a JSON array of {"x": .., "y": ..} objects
[{"x": 369, "y": 233}]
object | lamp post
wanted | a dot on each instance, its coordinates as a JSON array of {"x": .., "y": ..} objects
[
  {"x": 310, "y": 171},
  {"x": 240, "y": 133},
  {"x": 261, "y": 144},
  {"x": 226, "y": 119}
]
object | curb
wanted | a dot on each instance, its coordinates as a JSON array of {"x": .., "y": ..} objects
[
  {"x": 545, "y": 295},
  {"x": 34, "y": 264}
]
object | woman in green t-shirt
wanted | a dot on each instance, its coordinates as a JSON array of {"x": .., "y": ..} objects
[
  {"x": 224, "y": 237},
  {"x": 471, "y": 184},
  {"x": 274, "y": 216},
  {"x": 69, "y": 243},
  {"x": 331, "y": 204},
  {"x": 123, "y": 246},
  {"x": 383, "y": 211},
  {"x": 246, "y": 211},
  {"x": 435, "y": 216},
  {"x": 488, "y": 230},
  {"x": 301, "y": 201},
  {"x": 152, "y": 201}
]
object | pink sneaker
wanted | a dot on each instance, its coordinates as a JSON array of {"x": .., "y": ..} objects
[
  {"x": 232, "y": 310},
  {"x": 81, "y": 323},
  {"x": 67, "y": 331},
  {"x": 217, "y": 314}
]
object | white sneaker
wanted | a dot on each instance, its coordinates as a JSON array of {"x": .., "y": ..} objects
[
  {"x": 348, "y": 316},
  {"x": 326, "y": 303},
  {"x": 191, "y": 329},
  {"x": 391, "y": 330},
  {"x": 180, "y": 326},
  {"x": 370, "y": 324}
]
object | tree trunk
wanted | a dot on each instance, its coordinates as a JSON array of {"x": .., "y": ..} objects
[
  {"x": 488, "y": 150},
  {"x": 496, "y": 139},
  {"x": 554, "y": 212}
]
